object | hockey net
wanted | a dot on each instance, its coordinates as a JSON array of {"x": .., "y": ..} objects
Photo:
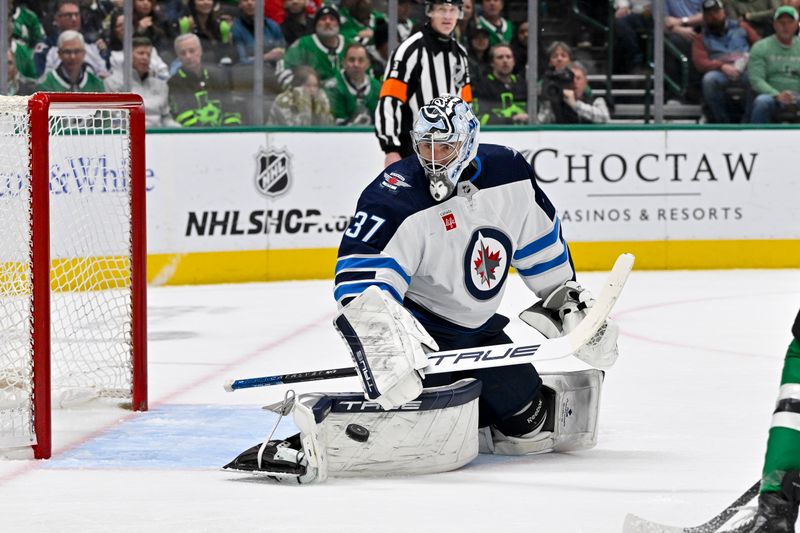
[{"x": 72, "y": 304}]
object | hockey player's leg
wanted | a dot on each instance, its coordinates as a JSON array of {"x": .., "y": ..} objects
[
  {"x": 783, "y": 446},
  {"x": 342, "y": 435},
  {"x": 780, "y": 481}
]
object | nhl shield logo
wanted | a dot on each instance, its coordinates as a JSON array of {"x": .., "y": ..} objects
[{"x": 273, "y": 172}]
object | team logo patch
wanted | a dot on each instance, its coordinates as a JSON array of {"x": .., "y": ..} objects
[
  {"x": 486, "y": 262},
  {"x": 273, "y": 172},
  {"x": 394, "y": 181},
  {"x": 449, "y": 220}
]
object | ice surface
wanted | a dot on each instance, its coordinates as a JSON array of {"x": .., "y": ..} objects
[{"x": 684, "y": 421}]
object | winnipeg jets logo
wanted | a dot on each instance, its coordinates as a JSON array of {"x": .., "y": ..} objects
[
  {"x": 486, "y": 262},
  {"x": 394, "y": 181}
]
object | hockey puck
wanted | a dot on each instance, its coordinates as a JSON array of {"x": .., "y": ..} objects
[{"x": 357, "y": 433}]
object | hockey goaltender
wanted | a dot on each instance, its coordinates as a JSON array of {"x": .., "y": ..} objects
[{"x": 422, "y": 267}]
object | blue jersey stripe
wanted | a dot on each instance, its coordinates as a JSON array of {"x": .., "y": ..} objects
[
  {"x": 348, "y": 263},
  {"x": 539, "y": 244},
  {"x": 358, "y": 288},
  {"x": 547, "y": 265},
  {"x": 477, "y": 172}
]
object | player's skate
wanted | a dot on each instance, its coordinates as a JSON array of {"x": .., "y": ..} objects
[
  {"x": 777, "y": 511},
  {"x": 281, "y": 460}
]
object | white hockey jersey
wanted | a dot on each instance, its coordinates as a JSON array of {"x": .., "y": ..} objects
[{"x": 452, "y": 257}]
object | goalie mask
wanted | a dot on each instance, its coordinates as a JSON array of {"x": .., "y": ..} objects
[{"x": 445, "y": 138}]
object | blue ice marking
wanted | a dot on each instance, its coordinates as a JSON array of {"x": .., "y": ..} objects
[{"x": 176, "y": 437}]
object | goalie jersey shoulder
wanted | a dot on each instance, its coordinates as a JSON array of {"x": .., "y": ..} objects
[
  {"x": 452, "y": 257},
  {"x": 401, "y": 190},
  {"x": 398, "y": 192}
]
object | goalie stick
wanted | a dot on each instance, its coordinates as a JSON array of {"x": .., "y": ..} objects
[
  {"x": 488, "y": 356},
  {"x": 635, "y": 524}
]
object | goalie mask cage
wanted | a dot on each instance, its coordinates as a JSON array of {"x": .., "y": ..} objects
[{"x": 72, "y": 258}]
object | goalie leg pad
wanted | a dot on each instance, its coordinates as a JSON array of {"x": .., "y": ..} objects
[
  {"x": 386, "y": 344},
  {"x": 343, "y": 435},
  {"x": 570, "y": 426},
  {"x": 436, "y": 432}
]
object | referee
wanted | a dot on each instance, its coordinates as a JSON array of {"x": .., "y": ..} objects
[{"x": 428, "y": 64}]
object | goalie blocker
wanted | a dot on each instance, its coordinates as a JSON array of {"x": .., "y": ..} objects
[{"x": 436, "y": 432}]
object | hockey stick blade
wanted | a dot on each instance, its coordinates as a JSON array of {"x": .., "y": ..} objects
[
  {"x": 636, "y": 524},
  {"x": 487, "y": 356}
]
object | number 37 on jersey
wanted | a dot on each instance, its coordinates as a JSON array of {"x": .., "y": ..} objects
[{"x": 364, "y": 226}]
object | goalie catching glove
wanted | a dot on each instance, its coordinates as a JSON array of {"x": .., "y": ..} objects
[
  {"x": 562, "y": 311},
  {"x": 386, "y": 343}
]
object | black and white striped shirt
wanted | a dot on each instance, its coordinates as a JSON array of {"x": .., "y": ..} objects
[{"x": 424, "y": 66}]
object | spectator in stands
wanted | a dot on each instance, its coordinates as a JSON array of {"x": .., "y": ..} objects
[
  {"x": 17, "y": 85},
  {"x": 466, "y": 22},
  {"x": 304, "y": 104},
  {"x": 632, "y": 18},
  {"x": 170, "y": 10},
  {"x": 774, "y": 68},
  {"x": 757, "y": 13},
  {"x": 244, "y": 35},
  {"x": 26, "y": 25},
  {"x": 213, "y": 31},
  {"x": 148, "y": 23},
  {"x": 519, "y": 47},
  {"x": 323, "y": 50},
  {"x": 501, "y": 97},
  {"x": 379, "y": 50},
  {"x": 407, "y": 87},
  {"x": 681, "y": 19},
  {"x": 297, "y": 22},
  {"x": 794, "y": 3},
  {"x": 24, "y": 65},
  {"x": 68, "y": 18},
  {"x": 199, "y": 95},
  {"x": 73, "y": 74},
  {"x": 358, "y": 20},
  {"x": 158, "y": 67},
  {"x": 571, "y": 105},
  {"x": 500, "y": 30},
  {"x": 719, "y": 52},
  {"x": 405, "y": 24},
  {"x": 478, "y": 52},
  {"x": 154, "y": 91},
  {"x": 559, "y": 55},
  {"x": 355, "y": 96},
  {"x": 94, "y": 14}
]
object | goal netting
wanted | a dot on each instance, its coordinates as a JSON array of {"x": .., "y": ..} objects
[{"x": 73, "y": 158}]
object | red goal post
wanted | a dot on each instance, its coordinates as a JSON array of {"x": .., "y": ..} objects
[{"x": 73, "y": 312}]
